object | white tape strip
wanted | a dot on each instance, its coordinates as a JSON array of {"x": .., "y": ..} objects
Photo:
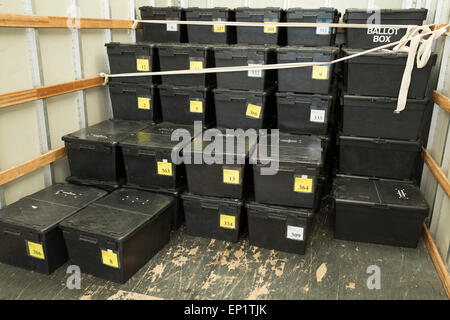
[{"x": 279, "y": 24}]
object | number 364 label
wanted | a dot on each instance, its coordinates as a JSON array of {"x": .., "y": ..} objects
[{"x": 303, "y": 184}]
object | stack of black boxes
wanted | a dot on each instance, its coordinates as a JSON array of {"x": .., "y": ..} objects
[{"x": 380, "y": 202}]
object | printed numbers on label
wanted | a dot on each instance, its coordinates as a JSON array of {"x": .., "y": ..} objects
[
  {"x": 231, "y": 176},
  {"x": 196, "y": 106},
  {"x": 255, "y": 73},
  {"x": 143, "y": 65},
  {"x": 219, "y": 28},
  {"x": 110, "y": 259},
  {"x": 144, "y": 103},
  {"x": 227, "y": 221},
  {"x": 295, "y": 233},
  {"x": 320, "y": 72},
  {"x": 164, "y": 168},
  {"x": 317, "y": 116},
  {"x": 172, "y": 27},
  {"x": 196, "y": 65},
  {"x": 303, "y": 185},
  {"x": 36, "y": 250},
  {"x": 270, "y": 29},
  {"x": 253, "y": 111}
]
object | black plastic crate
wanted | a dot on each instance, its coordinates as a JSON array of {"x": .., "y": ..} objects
[
  {"x": 374, "y": 117},
  {"x": 117, "y": 235},
  {"x": 385, "y": 158},
  {"x": 315, "y": 79},
  {"x": 187, "y": 57},
  {"x": 244, "y": 109},
  {"x": 93, "y": 152},
  {"x": 304, "y": 114},
  {"x": 29, "y": 233},
  {"x": 279, "y": 228},
  {"x": 378, "y": 211},
  {"x": 217, "y": 34},
  {"x": 300, "y": 166},
  {"x": 133, "y": 58},
  {"x": 217, "y": 218},
  {"x": 220, "y": 178},
  {"x": 260, "y": 35},
  {"x": 148, "y": 157},
  {"x": 135, "y": 101},
  {"x": 375, "y": 37},
  {"x": 380, "y": 74},
  {"x": 185, "y": 105},
  {"x": 163, "y": 33},
  {"x": 319, "y": 36},
  {"x": 229, "y": 56}
]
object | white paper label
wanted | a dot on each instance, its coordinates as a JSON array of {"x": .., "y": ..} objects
[
  {"x": 323, "y": 30},
  {"x": 172, "y": 27},
  {"x": 255, "y": 73},
  {"x": 317, "y": 116},
  {"x": 295, "y": 233}
]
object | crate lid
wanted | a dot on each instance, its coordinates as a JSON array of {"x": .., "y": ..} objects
[
  {"x": 303, "y": 98},
  {"x": 388, "y": 14},
  {"x": 157, "y": 136},
  {"x": 200, "y": 145},
  {"x": 376, "y": 192},
  {"x": 364, "y": 142},
  {"x": 192, "y": 49},
  {"x": 270, "y": 210},
  {"x": 308, "y": 50},
  {"x": 172, "y": 90},
  {"x": 119, "y": 214},
  {"x": 43, "y": 210},
  {"x": 108, "y": 132},
  {"x": 294, "y": 14},
  {"x": 298, "y": 149},
  {"x": 160, "y": 10},
  {"x": 209, "y": 199},
  {"x": 130, "y": 46},
  {"x": 247, "y": 11},
  {"x": 383, "y": 57},
  {"x": 228, "y": 94},
  {"x": 383, "y": 102},
  {"x": 207, "y": 13}
]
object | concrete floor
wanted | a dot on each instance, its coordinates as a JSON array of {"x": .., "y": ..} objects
[{"x": 197, "y": 268}]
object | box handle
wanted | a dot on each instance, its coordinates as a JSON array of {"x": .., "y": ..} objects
[
  {"x": 87, "y": 239},
  {"x": 12, "y": 233}
]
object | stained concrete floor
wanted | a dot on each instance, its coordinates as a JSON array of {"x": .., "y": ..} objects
[{"x": 197, "y": 268}]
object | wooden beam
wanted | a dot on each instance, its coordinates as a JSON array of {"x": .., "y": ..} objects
[
  {"x": 437, "y": 260},
  {"x": 441, "y": 100},
  {"x": 29, "y": 166},
  {"x": 36, "y": 21},
  {"x": 436, "y": 171},
  {"x": 9, "y": 99}
]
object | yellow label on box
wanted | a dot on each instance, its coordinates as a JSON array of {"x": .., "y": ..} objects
[
  {"x": 253, "y": 111},
  {"x": 196, "y": 106},
  {"x": 320, "y": 72},
  {"x": 196, "y": 65},
  {"x": 142, "y": 65},
  {"x": 144, "y": 103},
  {"x": 227, "y": 221},
  {"x": 270, "y": 29},
  {"x": 164, "y": 168},
  {"x": 110, "y": 259},
  {"x": 231, "y": 176},
  {"x": 36, "y": 250},
  {"x": 303, "y": 185},
  {"x": 219, "y": 28}
]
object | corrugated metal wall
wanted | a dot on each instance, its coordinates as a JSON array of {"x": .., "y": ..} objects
[{"x": 30, "y": 58}]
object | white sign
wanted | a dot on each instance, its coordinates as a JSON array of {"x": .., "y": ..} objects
[
  {"x": 295, "y": 233},
  {"x": 317, "y": 116},
  {"x": 255, "y": 73},
  {"x": 172, "y": 27}
]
